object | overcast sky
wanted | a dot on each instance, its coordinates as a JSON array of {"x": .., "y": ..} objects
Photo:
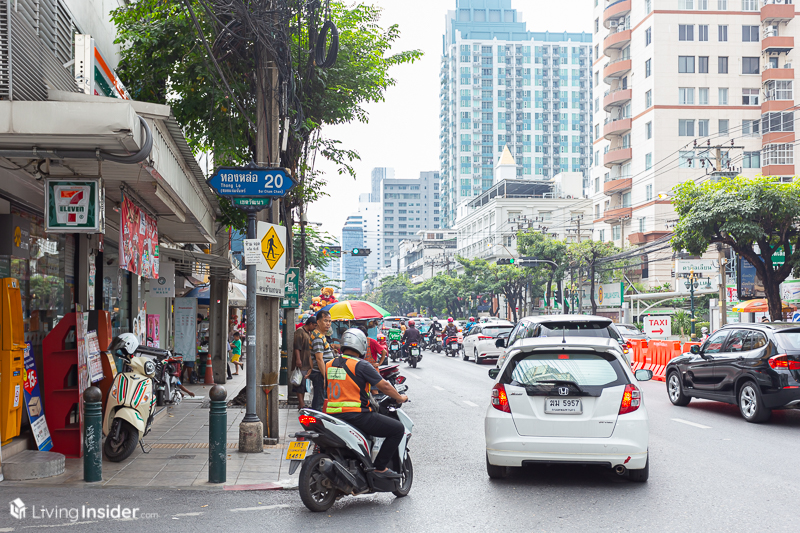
[{"x": 403, "y": 131}]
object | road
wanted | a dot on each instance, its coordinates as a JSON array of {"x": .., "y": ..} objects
[{"x": 709, "y": 471}]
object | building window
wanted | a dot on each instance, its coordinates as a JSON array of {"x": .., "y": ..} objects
[
  {"x": 778, "y": 90},
  {"x": 686, "y": 64},
  {"x": 648, "y": 192},
  {"x": 597, "y": 185},
  {"x": 749, "y": 5},
  {"x": 702, "y": 96},
  {"x": 602, "y": 235},
  {"x": 752, "y": 160},
  {"x": 648, "y": 161},
  {"x": 750, "y": 65},
  {"x": 686, "y": 32},
  {"x": 778, "y": 154},
  {"x": 686, "y": 159},
  {"x": 648, "y": 36},
  {"x": 702, "y": 64},
  {"x": 616, "y": 232},
  {"x": 723, "y": 96},
  {"x": 685, "y": 127},
  {"x": 647, "y": 68},
  {"x": 702, "y": 127},
  {"x": 702, "y": 32},
  {"x": 723, "y": 126},
  {"x": 648, "y": 130},
  {"x": 750, "y": 127},
  {"x": 750, "y": 34},
  {"x": 685, "y": 4},
  {"x": 641, "y": 224},
  {"x": 722, "y": 65},
  {"x": 777, "y": 121},
  {"x": 722, "y": 33},
  {"x": 750, "y": 96},
  {"x": 648, "y": 99},
  {"x": 722, "y": 5},
  {"x": 596, "y": 25},
  {"x": 686, "y": 95},
  {"x": 597, "y": 211}
]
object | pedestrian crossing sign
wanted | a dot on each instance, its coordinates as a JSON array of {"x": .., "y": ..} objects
[{"x": 272, "y": 248}]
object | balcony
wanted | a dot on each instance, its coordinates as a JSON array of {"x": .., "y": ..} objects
[
  {"x": 778, "y": 170},
  {"x": 777, "y": 43},
  {"x": 777, "y": 74},
  {"x": 772, "y": 104},
  {"x": 647, "y": 236},
  {"x": 617, "y": 69},
  {"x": 617, "y": 156},
  {"x": 616, "y": 127},
  {"x": 617, "y": 184},
  {"x": 615, "y": 41},
  {"x": 773, "y": 12},
  {"x": 774, "y": 137},
  {"x": 618, "y": 97},
  {"x": 616, "y": 11},
  {"x": 615, "y": 215}
]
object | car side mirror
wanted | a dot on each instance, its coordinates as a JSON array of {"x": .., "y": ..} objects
[
  {"x": 500, "y": 343},
  {"x": 493, "y": 372},
  {"x": 643, "y": 374},
  {"x": 695, "y": 349}
]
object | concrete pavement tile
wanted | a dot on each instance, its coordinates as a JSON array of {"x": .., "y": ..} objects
[
  {"x": 136, "y": 474},
  {"x": 129, "y": 482},
  {"x": 148, "y": 466}
]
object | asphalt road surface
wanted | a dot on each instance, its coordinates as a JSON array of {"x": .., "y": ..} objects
[{"x": 709, "y": 471}]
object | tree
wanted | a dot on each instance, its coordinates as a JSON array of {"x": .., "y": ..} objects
[
  {"x": 394, "y": 295},
  {"x": 315, "y": 241},
  {"x": 585, "y": 255},
  {"x": 740, "y": 213},
  {"x": 541, "y": 246}
]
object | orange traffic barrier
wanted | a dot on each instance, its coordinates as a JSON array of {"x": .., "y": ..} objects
[
  {"x": 687, "y": 346},
  {"x": 637, "y": 360}
]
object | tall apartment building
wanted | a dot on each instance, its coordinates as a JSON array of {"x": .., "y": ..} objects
[
  {"x": 501, "y": 84},
  {"x": 352, "y": 266},
  {"x": 377, "y": 175},
  {"x": 409, "y": 205},
  {"x": 673, "y": 79},
  {"x": 373, "y": 230}
]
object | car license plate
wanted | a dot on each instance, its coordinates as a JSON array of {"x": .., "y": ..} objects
[
  {"x": 297, "y": 450},
  {"x": 454, "y": 346},
  {"x": 563, "y": 406}
]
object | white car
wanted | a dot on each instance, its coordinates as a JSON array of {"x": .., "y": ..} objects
[
  {"x": 571, "y": 400},
  {"x": 480, "y": 343}
]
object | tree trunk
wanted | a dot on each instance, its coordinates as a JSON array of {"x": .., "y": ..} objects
[{"x": 773, "y": 293}]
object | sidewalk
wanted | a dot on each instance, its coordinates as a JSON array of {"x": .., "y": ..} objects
[{"x": 178, "y": 457}]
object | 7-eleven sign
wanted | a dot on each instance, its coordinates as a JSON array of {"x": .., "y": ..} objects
[{"x": 73, "y": 206}]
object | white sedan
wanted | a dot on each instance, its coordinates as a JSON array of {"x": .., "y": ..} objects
[
  {"x": 573, "y": 402},
  {"x": 480, "y": 343}
]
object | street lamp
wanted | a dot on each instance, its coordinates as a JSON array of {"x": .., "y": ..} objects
[{"x": 691, "y": 284}]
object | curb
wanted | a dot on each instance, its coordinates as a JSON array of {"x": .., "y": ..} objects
[{"x": 289, "y": 484}]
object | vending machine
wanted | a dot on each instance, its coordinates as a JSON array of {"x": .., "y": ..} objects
[{"x": 12, "y": 358}]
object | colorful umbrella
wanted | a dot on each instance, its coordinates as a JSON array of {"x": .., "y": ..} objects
[
  {"x": 355, "y": 310},
  {"x": 759, "y": 306}
]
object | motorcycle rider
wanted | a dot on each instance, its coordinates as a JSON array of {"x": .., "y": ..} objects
[
  {"x": 703, "y": 334},
  {"x": 451, "y": 330},
  {"x": 469, "y": 325},
  {"x": 349, "y": 381},
  {"x": 411, "y": 334}
]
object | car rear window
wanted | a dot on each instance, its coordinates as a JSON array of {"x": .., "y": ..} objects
[
  {"x": 788, "y": 339},
  {"x": 578, "y": 329},
  {"x": 627, "y": 329},
  {"x": 494, "y": 331},
  {"x": 584, "y": 369}
]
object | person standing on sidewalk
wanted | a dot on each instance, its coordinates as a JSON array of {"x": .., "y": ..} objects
[
  {"x": 302, "y": 356},
  {"x": 321, "y": 349},
  {"x": 236, "y": 348}
]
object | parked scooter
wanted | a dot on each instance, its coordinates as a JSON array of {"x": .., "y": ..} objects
[
  {"x": 342, "y": 460},
  {"x": 167, "y": 377},
  {"x": 452, "y": 346},
  {"x": 129, "y": 408}
]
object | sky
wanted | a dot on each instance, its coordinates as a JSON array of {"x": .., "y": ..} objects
[{"x": 403, "y": 131}]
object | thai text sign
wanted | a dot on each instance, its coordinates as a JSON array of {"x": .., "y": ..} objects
[{"x": 252, "y": 182}]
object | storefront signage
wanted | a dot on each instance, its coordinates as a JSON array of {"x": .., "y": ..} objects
[
  {"x": 138, "y": 243},
  {"x": 92, "y": 73},
  {"x": 33, "y": 402},
  {"x": 271, "y": 271},
  {"x": 154, "y": 331},
  {"x": 252, "y": 182},
  {"x": 291, "y": 293},
  {"x": 164, "y": 286},
  {"x": 15, "y": 236},
  {"x": 610, "y": 295},
  {"x": 95, "y": 364},
  {"x": 73, "y": 206},
  {"x": 701, "y": 267},
  {"x": 186, "y": 328}
]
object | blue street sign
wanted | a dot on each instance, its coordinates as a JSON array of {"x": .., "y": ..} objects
[{"x": 252, "y": 182}]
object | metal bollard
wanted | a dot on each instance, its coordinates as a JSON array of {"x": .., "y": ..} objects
[
  {"x": 217, "y": 435},
  {"x": 92, "y": 435}
]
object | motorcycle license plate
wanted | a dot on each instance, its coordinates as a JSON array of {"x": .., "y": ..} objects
[
  {"x": 415, "y": 351},
  {"x": 563, "y": 406},
  {"x": 454, "y": 346},
  {"x": 297, "y": 450},
  {"x": 395, "y": 346}
]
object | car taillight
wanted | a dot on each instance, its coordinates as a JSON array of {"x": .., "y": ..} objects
[
  {"x": 783, "y": 361},
  {"x": 631, "y": 399},
  {"x": 484, "y": 337},
  {"x": 307, "y": 420},
  {"x": 500, "y": 398}
]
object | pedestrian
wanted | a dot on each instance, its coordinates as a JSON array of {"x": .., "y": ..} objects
[
  {"x": 236, "y": 352},
  {"x": 302, "y": 356},
  {"x": 322, "y": 353},
  {"x": 228, "y": 360}
]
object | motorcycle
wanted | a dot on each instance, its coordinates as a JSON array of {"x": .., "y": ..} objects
[
  {"x": 437, "y": 343},
  {"x": 168, "y": 371},
  {"x": 394, "y": 350},
  {"x": 129, "y": 406},
  {"x": 414, "y": 354},
  {"x": 391, "y": 373},
  {"x": 452, "y": 346},
  {"x": 342, "y": 460}
]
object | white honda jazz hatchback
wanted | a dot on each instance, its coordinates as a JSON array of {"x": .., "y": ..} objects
[{"x": 567, "y": 400}]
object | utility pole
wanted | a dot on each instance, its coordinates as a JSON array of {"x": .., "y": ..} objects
[{"x": 723, "y": 285}]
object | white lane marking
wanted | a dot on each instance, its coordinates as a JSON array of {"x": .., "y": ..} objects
[
  {"x": 187, "y": 514},
  {"x": 437, "y": 388},
  {"x": 695, "y": 424},
  {"x": 6, "y": 529},
  {"x": 259, "y": 508},
  {"x": 470, "y": 403}
]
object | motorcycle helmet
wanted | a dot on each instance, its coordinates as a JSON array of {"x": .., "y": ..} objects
[
  {"x": 472, "y": 319},
  {"x": 355, "y": 339},
  {"x": 704, "y": 330},
  {"x": 450, "y": 320},
  {"x": 127, "y": 343},
  {"x": 411, "y": 323},
  {"x": 435, "y": 319}
]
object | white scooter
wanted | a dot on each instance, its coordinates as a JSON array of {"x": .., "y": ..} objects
[
  {"x": 342, "y": 463},
  {"x": 129, "y": 408}
]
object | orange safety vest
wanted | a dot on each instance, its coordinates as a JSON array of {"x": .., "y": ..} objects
[{"x": 344, "y": 394}]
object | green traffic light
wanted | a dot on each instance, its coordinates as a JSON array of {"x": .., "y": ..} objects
[
  {"x": 355, "y": 251},
  {"x": 511, "y": 261}
]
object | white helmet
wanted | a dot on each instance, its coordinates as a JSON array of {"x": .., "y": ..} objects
[
  {"x": 704, "y": 330},
  {"x": 127, "y": 342},
  {"x": 355, "y": 339}
]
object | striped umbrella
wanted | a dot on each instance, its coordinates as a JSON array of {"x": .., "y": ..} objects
[{"x": 355, "y": 310}]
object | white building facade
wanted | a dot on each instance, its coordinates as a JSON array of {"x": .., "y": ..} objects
[{"x": 408, "y": 205}]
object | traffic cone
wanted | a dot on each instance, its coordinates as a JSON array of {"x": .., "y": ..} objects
[{"x": 209, "y": 371}]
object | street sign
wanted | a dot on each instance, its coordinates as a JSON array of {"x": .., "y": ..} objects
[
  {"x": 252, "y": 182},
  {"x": 272, "y": 248},
  {"x": 271, "y": 270},
  {"x": 657, "y": 326},
  {"x": 291, "y": 294},
  {"x": 701, "y": 267},
  {"x": 252, "y": 252},
  {"x": 251, "y": 202},
  {"x": 610, "y": 295}
]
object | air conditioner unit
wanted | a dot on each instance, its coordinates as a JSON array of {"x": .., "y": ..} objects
[{"x": 612, "y": 23}]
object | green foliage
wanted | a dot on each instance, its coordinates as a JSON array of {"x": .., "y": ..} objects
[
  {"x": 314, "y": 281},
  {"x": 315, "y": 240},
  {"x": 740, "y": 213},
  {"x": 681, "y": 322},
  {"x": 394, "y": 295}
]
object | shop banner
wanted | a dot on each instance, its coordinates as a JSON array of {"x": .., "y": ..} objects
[
  {"x": 164, "y": 286},
  {"x": 186, "y": 328},
  {"x": 154, "y": 331},
  {"x": 95, "y": 364},
  {"x": 73, "y": 206},
  {"x": 138, "y": 243},
  {"x": 33, "y": 400},
  {"x": 790, "y": 291}
]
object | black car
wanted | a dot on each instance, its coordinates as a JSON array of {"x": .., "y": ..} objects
[{"x": 754, "y": 366}]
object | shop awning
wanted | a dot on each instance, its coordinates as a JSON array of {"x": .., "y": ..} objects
[
  {"x": 189, "y": 257},
  {"x": 169, "y": 183}
]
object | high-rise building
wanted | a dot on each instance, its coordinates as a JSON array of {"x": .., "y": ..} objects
[
  {"x": 502, "y": 85},
  {"x": 376, "y": 177},
  {"x": 352, "y": 266},
  {"x": 409, "y": 205},
  {"x": 673, "y": 80},
  {"x": 371, "y": 213}
]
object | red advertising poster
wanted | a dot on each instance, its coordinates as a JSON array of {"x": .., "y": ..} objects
[{"x": 138, "y": 243}]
